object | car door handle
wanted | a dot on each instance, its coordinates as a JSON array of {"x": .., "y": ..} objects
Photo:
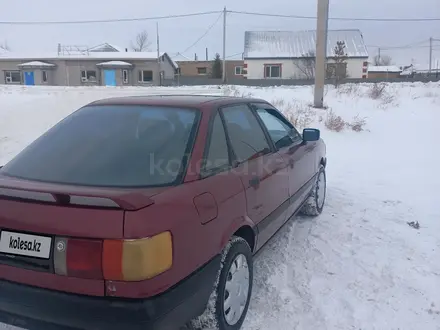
[{"x": 255, "y": 181}]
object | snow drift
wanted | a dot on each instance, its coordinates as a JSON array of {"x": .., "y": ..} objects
[{"x": 359, "y": 265}]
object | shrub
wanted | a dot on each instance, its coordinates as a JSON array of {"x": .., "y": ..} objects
[
  {"x": 349, "y": 89},
  {"x": 376, "y": 91},
  {"x": 380, "y": 91},
  {"x": 235, "y": 92},
  {"x": 357, "y": 124},
  {"x": 334, "y": 122}
]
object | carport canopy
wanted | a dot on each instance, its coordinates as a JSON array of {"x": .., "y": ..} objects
[
  {"x": 113, "y": 64},
  {"x": 37, "y": 64}
]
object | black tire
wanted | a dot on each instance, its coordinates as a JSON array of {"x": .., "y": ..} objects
[
  {"x": 214, "y": 316},
  {"x": 313, "y": 205}
]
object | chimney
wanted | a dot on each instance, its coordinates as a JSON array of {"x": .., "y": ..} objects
[
  {"x": 126, "y": 50},
  {"x": 195, "y": 56},
  {"x": 207, "y": 54}
]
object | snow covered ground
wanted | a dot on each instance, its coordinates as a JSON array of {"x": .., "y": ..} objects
[{"x": 357, "y": 266}]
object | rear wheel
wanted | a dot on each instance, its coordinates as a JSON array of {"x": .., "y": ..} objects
[
  {"x": 315, "y": 202},
  {"x": 230, "y": 299}
]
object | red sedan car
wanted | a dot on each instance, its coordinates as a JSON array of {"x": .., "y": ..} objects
[{"x": 134, "y": 213}]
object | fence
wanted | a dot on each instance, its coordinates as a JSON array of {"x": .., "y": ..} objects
[{"x": 199, "y": 81}]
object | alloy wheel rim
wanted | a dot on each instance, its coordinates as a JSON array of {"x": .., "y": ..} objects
[{"x": 236, "y": 290}]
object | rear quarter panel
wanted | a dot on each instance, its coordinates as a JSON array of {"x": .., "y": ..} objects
[{"x": 194, "y": 243}]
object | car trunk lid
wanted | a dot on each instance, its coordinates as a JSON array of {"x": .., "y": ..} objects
[{"x": 35, "y": 217}]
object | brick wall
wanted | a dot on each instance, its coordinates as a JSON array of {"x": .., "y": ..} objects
[{"x": 204, "y": 68}]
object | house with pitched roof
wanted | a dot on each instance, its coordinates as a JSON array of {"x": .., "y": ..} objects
[
  {"x": 102, "y": 65},
  {"x": 291, "y": 54}
]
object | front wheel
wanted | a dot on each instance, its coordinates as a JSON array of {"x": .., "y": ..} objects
[
  {"x": 229, "y": 302},
  {"x": 315, "y": 202}
]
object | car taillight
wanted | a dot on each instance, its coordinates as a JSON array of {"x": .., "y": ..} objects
[
  {"x": 138, "y": 259},
  {"x": 78, "y": 258},
  {"x": 118, "y": 260}
]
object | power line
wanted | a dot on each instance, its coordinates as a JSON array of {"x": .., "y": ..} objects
[
  {"x": 203, "y": 35},
  {"x": 119, "y": 20},
  {"x": 337, "y": 18},
  {"x": 398, "y": 47},
  {"x": 236, "y": 54},
  {"x": 416, "y": 45},
  {"x": 114, "y": 20}
]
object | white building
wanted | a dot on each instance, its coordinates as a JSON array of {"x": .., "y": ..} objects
[{"x": 283, "y": 54}]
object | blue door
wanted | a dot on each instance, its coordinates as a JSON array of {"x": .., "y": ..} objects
[
  {"x": 110, "y": 77},
  {"x": 29, "y": 78}
]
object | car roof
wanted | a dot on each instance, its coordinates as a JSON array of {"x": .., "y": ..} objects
[{"x": 191, "y": 101}]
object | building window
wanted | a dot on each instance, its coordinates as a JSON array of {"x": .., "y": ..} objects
[
  {"x": 125, "y": 76},
  {"x": 44, "y": 76},
  {"x": 202, "y": 70},
  {"x": 88, "y": 76},
  {"x": 13, "y": 77},
  {"x": 145, "y": 76},
  {"x": 272, "y": 71},
  {"x": 239, "y": 70}
]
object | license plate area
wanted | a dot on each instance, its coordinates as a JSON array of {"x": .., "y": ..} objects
[
  {"x": 36, "y": 255},
  {"x": 27, "y": 245}
]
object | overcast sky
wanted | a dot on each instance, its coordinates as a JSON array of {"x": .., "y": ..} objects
[{"x": 177, "y": 34}]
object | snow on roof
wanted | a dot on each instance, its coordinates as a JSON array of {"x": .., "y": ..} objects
[
  {"x": 384, "y": 68},
  {"x": 80, "y": 56},
  {"x": 408, "y": 70},
  {"x": 36, "y": 63},
  {"x": 435, "y": 66},
  {"x": 294, "y": 44},
  {"x": 106, "y": 47},
  {"x": 114, "y": 63}
]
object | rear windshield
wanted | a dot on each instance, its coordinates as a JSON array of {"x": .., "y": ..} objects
[{"x": 111, "y": 146}]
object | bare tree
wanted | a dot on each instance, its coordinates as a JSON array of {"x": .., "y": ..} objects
[
  {"x": 338, "y": 69},
  {"x": 383, "y": 60},
  {"x": 142, "y": 42},
  {"x": 5, "y": 46},
  {"x": 306, "y": 64}
]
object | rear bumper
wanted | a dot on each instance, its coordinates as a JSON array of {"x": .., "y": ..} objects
[{"x": 37, "y": 309}]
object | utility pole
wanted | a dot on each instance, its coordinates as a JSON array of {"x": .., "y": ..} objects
[
  {"x": 430, "y": 54},
  {"x": 158, "y": 54},
  {"x": 378, "y": 57},
  {"x": 224, "y": 46},
  {"x": 436, "y": 69},
  {"x": 321, "y": 52}
]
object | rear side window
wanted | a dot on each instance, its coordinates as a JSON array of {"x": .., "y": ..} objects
[
  {"x": 247, "y": 137},
  {"x": 114, "y": 146},
  {"x": 217, "y": 155}
]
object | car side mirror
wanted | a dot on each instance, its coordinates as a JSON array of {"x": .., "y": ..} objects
[{"x": 311, "y": 134}]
